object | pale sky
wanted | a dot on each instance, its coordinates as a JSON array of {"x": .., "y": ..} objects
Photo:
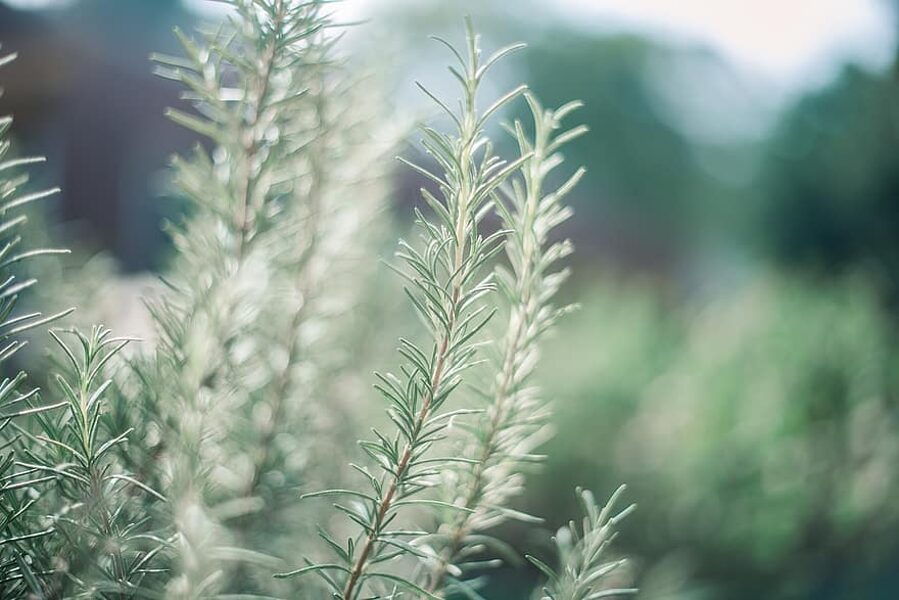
[{"x": 792, "y": 42}]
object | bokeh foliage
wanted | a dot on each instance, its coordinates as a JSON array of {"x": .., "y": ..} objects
[{"x": 757, "y": 428}]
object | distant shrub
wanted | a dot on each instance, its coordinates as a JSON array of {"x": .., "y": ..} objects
[{"x": 758, "y": 428}]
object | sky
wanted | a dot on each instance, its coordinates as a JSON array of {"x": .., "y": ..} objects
[{"x": 789, "y": 42}]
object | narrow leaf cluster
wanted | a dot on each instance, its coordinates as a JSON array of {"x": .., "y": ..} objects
[
  {"x": 68, "y": 528},
  {"x": 447, "y": 283},
  {"x": 516, "y": 420},
  {"x": 583, "y": 563},
  {"x": 177, "y": 472},
  {"x": 265, "y": 265},
  {"x": 21, "y": 532},
  {"x": 102, "y": 541}
]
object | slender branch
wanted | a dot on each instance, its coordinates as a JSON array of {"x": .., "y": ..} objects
[
  {"x": 447, "y": 290},
  {"x": 528, "y": 316},
  {"x": 437, "y": 376},
  {"x": 488, "y": 448},
  {"x": 463, "y": 201},
  {"x": 249, "y": 136},
  {"x": 403, "y": 464},
  {"x": 304, "y": 287}
]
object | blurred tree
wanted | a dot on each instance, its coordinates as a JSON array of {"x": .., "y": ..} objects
[
  {"x": 669, "y": 173},
  {"x": 651, "y": 197},
  {"x": 759, "y": 432},
  {"x": 832, "y": 181},
  {"x": 639, "y": 163}
]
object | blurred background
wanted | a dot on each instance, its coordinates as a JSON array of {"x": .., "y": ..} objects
[{"x": 735, "y": 356}]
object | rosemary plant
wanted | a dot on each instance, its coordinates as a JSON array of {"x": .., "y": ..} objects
[
  {"x": 265, "y": 264},
  {"x": 515, "y": 421},
  {"x": 583, "y": 567},
  {"x": 447, "y": 286},
  {"x": 21, "y": 532},
  {"x": 67, "y": 530},
  {"x": 103, "y": 547},
  {"x": 176, "y": 474},
  {"x": 243, "y": 81}
]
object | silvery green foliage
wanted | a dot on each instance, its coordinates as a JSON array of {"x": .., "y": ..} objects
[
  {"x": 232, "y": 413},
  {"x": 504, "y": 439},
  {"x": 448, "y": 284},
  {"x": 284, "y": 205},
  {"x": 22, "y": 533},
  {"x": 68, "y": 528},
  {"x": 103, "y": 546},
  {"x": 584, "y": 565}
]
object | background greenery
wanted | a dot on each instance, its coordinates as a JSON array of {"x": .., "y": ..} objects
[{"x": 734, "y": 359}]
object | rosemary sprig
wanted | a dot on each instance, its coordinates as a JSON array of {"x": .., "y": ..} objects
[
  {"x": 447, "y": 286},
  {"x": 515, "y": 421}
]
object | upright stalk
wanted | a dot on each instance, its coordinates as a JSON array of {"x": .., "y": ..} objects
[
  {"x": 515, "y": 419},
  {"x": 446, "y": 285}
]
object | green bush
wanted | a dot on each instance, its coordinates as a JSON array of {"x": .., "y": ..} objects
[{"x": 758, "y": 429}]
